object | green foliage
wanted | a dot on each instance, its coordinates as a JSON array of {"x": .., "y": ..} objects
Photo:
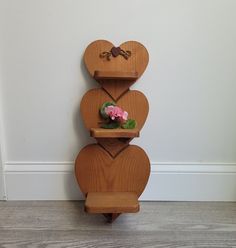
[
  {"x": 102, "y": 109},
  {"x": 110, "y": 125},
  {"x": 129, "y": 124}
]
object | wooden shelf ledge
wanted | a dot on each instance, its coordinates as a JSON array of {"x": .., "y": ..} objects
[
  {"x": 114, "y": 133},
  {"x": 121, "y": 75},
  {"x": 111, "y": 202}
]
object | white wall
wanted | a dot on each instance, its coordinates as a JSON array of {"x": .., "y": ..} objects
[{"x": 190, "y": 84}]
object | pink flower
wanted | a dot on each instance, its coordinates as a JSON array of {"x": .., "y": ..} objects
[
  {"x": 116, "y": 113},
  {"x": 125, "y": 116}
]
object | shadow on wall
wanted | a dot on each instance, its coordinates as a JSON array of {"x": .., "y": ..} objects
[{"x": 82, "y": 133}]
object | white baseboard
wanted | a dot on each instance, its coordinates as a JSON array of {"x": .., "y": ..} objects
[
  {"x": 1, "y": 185},
  {"x": 168, "y": 181}
]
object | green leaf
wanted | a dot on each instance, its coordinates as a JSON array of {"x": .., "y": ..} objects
[
  {"x": 110, "y": 125},
  {"x": 102, "y": 109},
  {"x": 129, "y": 124}
]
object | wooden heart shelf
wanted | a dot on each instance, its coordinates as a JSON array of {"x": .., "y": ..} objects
[{"x": 111, "y": 173}]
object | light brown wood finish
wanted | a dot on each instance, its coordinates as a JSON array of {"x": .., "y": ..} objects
[
  {"x": 113, "y": 165},
  {"x": 134, "y": 102},
  {"x": 137, "y": 62},
  {"x": 115, "y": 145},
  {"x": 115, "y": 83},
  {"x": 119, "y": 75},
  {"x": 64, "y": 224},
  {"x": 111, "y": 202},
  {"x": 114, "y": 133},
  {"x": 97, "y": 171},
  {"x": 115, "y": 88}
]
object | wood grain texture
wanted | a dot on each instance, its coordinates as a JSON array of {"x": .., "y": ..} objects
[
  {"x": 117, "y": 74},
  {"x": 115, "y": 145},
  {"x": 134, "y": 102},
  {"x": 115, "y": 83},
  {"x": 111, "y": 202},
  {"x": 97, "y": 171},
  {"x": 137, "y": 62},
  {"x": 114, "y": 133},
  {"x": 63, "y": 224},
  {"x": 115, "y": 88},
  {"x": 119, "y": 168}
]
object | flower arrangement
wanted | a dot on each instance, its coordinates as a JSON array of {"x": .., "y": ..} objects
[{"x": 115, "y": 117}]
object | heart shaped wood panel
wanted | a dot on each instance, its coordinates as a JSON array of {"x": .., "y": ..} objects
[
  {"x": 127, "y": 172},
  {"x": 134, "y": 102},
  {"x": 137, "y": 62},
  {"x": 116, "y": 67}
]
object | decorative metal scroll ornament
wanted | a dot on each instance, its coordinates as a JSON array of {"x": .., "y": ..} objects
[{"x": 115, "y": 51}]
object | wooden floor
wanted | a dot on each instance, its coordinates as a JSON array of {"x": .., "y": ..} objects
[{"x": 158, "y": 224}]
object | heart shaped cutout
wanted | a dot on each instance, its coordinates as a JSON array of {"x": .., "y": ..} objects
[
  {"x": 134, "y": 102},
  {"x": 127, "y": 172},
  {"x": 129, "y": 57}
]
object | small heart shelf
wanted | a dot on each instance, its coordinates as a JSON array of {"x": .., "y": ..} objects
[{"x": 111, "y": 173}]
